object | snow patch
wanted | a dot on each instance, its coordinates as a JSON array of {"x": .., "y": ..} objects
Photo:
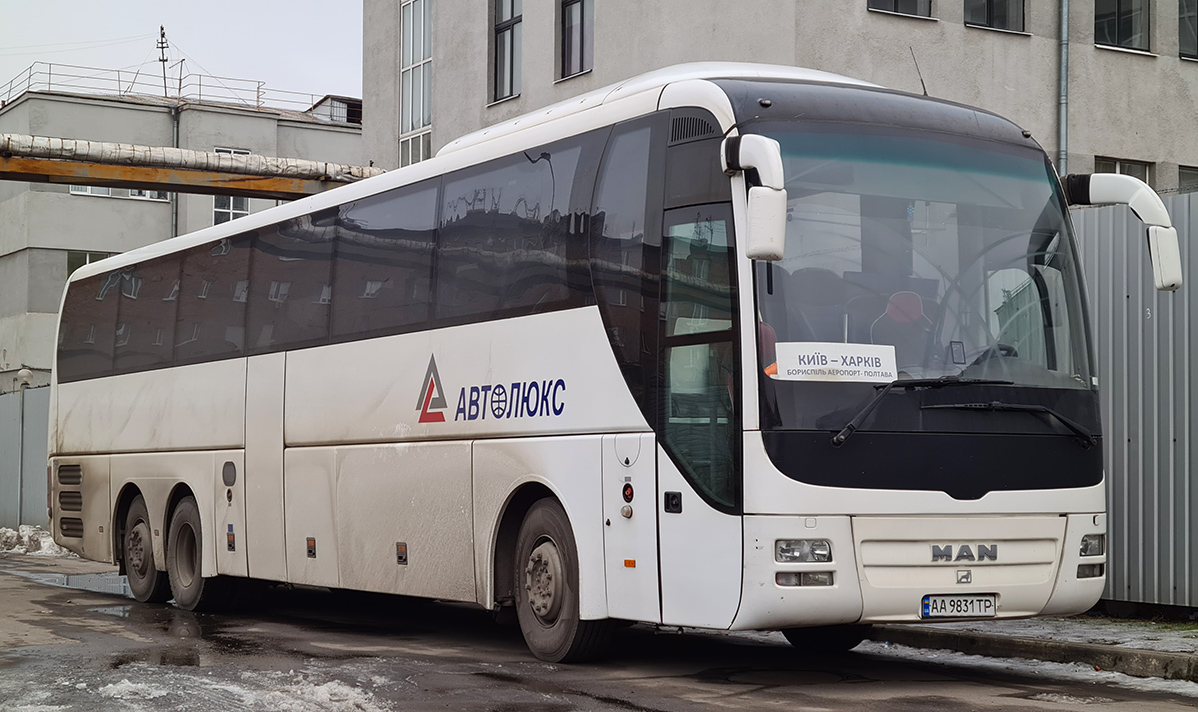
[
  {"x": 31, "y": 540},
  {"x": 1070, "y": 699},
  {"x": 125, "y": 690},
  {"x": 303, "y": 696}
]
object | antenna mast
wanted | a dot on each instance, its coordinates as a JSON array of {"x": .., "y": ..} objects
[
  {"x": 163, "y": 46},
  {"x": 917, "y": 72}
]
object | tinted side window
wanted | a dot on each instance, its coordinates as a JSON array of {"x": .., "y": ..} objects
[
  {"x": 291, "y": 277},
  {"x": 145, "y": 331},
  {"x": 384, "y": 262},
  {"x": 213, "y": 285},
  {"x": 510, "y": 240},
  {"x": 88, "y": 328},
  {"x": 693, "y": 174},
  {"x": 625, "y": 250}
]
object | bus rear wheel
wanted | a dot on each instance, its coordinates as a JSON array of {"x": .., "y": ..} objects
[
  {"x": 184, "y": 555},
  {"x": 146, "y": 582},
  {"x": 827, "y": 639},
  {"x": 546, "y": 582}
]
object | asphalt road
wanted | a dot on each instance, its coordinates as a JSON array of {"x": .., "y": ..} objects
[{"x": 68, "y": 649}]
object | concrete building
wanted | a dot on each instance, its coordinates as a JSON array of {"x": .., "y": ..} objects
[
  {"x": 48, "y": 230},
  {"x": 435, "y": 71}
]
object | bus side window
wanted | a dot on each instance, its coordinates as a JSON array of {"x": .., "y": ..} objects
[
  {"x": 89, "y": 319},
  {"x": 213, "y": 286},
  {"x": 383, "y": 269},
  {"x": 145, "y": 335},
  {"x": 623, "y": 262},
  {"x": 291, "y": 275},
  {"x": 505, "y": 237}
]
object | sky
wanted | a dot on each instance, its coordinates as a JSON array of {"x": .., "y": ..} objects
[{"x": 308, "y": 46}]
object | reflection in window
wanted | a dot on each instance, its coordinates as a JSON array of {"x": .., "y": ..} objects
[
  {"x": 289, "y": 271},
  {"x": 1122, "y": 23},
  {"x": 998, "y": 14},
  {"x": 384, "y": 240},
  {"x": 922, "y": 8},
  {"x": 505, "y": 232},
  {"x": 698, "y": 271}
]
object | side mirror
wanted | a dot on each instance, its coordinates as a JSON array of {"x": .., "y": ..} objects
[
  {"x": 767, "y": 202},
  {"x": 1114, "y": 188}
]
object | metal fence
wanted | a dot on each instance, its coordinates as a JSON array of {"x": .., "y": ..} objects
[
  {"x": 1145, "y": 343},
  {"x": 24, "y": 453}
]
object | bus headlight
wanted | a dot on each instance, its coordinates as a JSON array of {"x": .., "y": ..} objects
[
  {"x": 1093, "y": 545},
  {"x": 792, "y": 551}
]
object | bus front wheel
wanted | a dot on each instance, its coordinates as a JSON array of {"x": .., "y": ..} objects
[
  {"x": 546, "y": 583},
  {"x": 146, "y": 582},
  {"x": 184, "y": 554}
]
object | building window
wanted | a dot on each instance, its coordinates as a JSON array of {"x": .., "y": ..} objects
[
  {"x": 107, "y": 192},
  {"x": 229, "y": 207},
  {"x": 1135, "y": 169},
  {"x": 1188, "y": 28},
  {"x": 91, "y": 191},
  {"x": 508, "y": 14},
  {"x": 416, "y": 81},
  {"x": 577, "y": 46},
  {"x": 1121, "y": 23},
  {"x": 998, "y": 14},
  {"x": 923, "y": 8},
  {"x": 1187, "y": 179},
  {"x": 75, "y": 260}
]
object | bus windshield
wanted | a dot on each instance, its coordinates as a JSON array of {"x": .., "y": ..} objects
[{"x": 953, "y": 255}]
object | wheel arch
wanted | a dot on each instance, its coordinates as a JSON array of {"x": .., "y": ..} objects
[
  {"x": 503, "y": 556},
  {"x": 180, "y": 491},
  {"x": 120, "y": 512}
]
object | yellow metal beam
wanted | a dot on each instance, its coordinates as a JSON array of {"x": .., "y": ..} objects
[{"x": 45, "y": 170}]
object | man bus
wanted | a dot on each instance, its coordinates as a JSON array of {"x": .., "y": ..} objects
[{"x": 724, "y": 346}]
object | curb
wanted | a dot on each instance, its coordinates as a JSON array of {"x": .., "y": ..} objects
[{"x": 1129, "y": 661}]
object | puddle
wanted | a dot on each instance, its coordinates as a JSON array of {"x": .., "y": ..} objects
[{"x": 97, "y": 583}]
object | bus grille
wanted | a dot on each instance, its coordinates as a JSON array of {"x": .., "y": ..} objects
[
  {"x": 70, "y": 526},
  {"x": 689, "y": 128},
  {"x": 70, "y": 501},
  {"x": 70, "y": 474}
]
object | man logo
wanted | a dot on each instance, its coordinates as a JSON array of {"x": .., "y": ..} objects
[
  {"x": 431, "y": 395},
  {"x": 964, "y": 576}
]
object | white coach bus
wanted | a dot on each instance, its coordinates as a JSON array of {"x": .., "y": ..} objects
[{"x": 725, "y": 346}]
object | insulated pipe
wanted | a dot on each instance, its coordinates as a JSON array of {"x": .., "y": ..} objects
[{"x": 1063, "y": 109}]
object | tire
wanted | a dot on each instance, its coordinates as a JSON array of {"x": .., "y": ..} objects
[
  {"x": 546, "y": 583},
  {"x": 146, "y": 582},
  {"x": 827, "y": 639},
  {"x": 184, "y": 557}
]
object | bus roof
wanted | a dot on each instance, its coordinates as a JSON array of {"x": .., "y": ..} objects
[
  {"x": 648, "y": 82},
  {"x": 473, "y": 148}
]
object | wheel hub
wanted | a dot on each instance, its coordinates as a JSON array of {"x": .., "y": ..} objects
[
  {"x": 544, "y": 582},
  {"x": 136, "y": 549}
]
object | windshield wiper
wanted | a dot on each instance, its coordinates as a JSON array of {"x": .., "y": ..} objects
[
  {"x": 1084, "y": 436},
  {"x": 909, "y": 383}
]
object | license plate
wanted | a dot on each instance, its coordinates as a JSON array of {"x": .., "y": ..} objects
[{"x": 981, "y": 605}]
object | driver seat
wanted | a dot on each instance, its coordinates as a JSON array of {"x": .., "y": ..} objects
[{"x": 906, "y": 325}]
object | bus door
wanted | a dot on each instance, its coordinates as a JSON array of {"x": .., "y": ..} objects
[
  {"x": 699, "y": 480},
  {"x": 263, "y": 481}
]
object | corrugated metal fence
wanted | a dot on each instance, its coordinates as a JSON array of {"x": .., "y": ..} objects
[
  {"x": 1144, "y": 343},
  {"x": 32, "y": 452}
]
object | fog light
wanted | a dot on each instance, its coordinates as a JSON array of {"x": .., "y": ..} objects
[
  {"x": 790, "y": 551},
  {"x": 1090, "y": 570},
  {"x": 1093, "y": 545},
  {"x": 803, "y": 578}
]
